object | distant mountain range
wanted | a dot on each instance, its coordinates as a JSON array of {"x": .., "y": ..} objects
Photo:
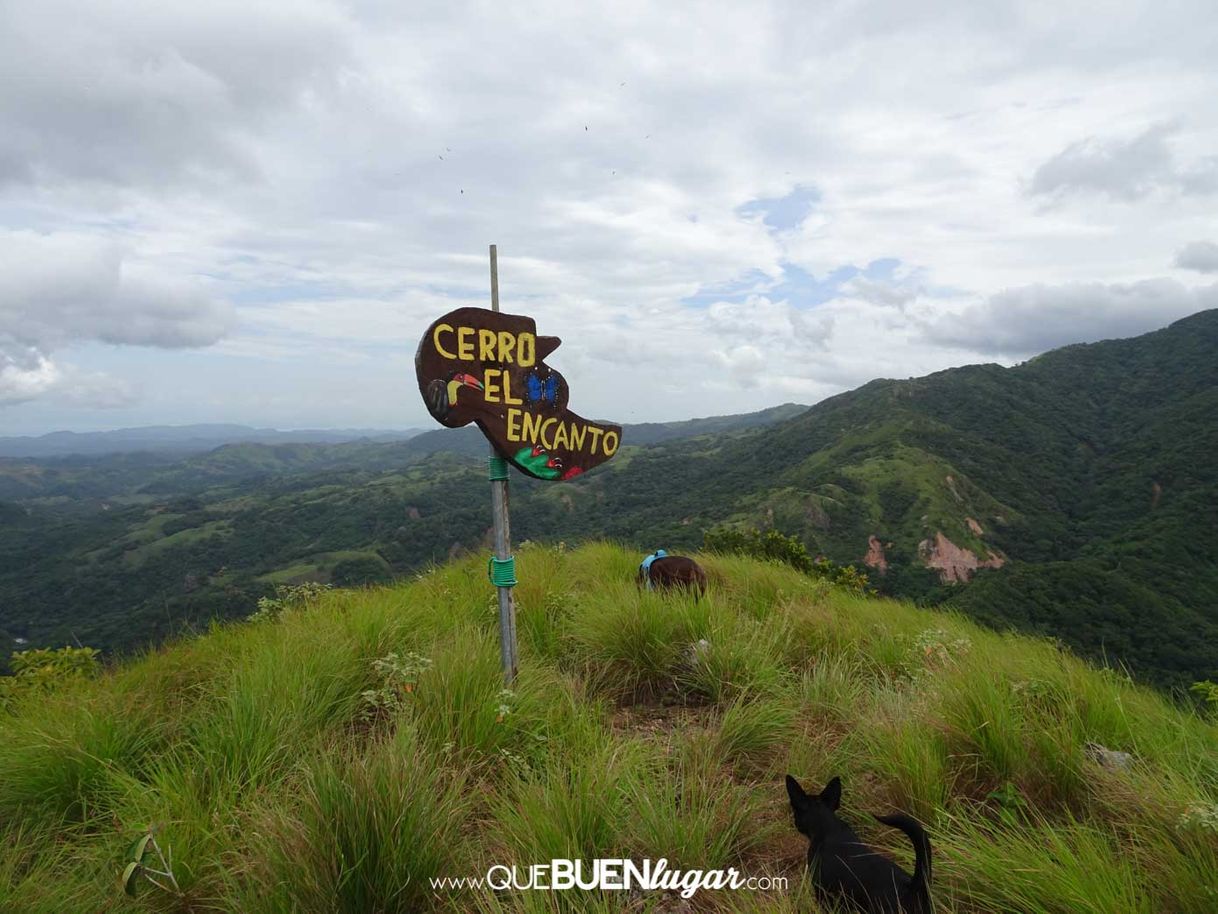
[
  {"x": 184, "y": 439},
  {"x": 1075, "y": 495},
  {"x": 159, "y": 439}
]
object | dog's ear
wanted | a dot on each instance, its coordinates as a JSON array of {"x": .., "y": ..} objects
[
  {"x": 795, "y": 792},
  {"x": 831, "y": 796}
]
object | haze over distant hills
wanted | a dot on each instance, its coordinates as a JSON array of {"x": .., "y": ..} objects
[{"x": 182, "y": 439}]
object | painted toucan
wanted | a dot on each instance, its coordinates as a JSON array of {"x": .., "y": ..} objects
[
  {"x": 458, "y": 381},
  {"x": 441, "y": 395}
]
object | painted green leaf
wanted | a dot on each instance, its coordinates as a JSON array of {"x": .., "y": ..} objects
[
  {"x": 138, "y": 848},
  {"x": 131, "y": 875}
]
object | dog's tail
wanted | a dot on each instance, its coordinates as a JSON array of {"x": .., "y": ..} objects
[{"x": 921, "y": 843}]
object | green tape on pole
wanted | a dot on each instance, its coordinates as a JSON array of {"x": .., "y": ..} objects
[
  {"x": 502, "y": 572},
  {"x": 498, "y": 468}
]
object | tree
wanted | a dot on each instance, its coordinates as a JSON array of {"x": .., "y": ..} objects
[{"x": 361, "y": 571}]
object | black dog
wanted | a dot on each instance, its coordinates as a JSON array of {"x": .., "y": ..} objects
[{"x": 845, "y": 869}]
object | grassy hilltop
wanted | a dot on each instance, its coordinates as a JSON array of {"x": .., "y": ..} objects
[{"x": 335, "y": 757}]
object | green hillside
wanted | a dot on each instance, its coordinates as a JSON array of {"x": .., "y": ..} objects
[
  {"x": 334, "y": 758},
  {"x": 1075, "y": 495}
]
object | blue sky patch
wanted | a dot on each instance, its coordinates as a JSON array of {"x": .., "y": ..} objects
[
  {"x": 782, "y": 214},
  {"x": 884, "y": 269},
  {"x": 796, "y": 284},
  {"x": 735, "y": 290}
]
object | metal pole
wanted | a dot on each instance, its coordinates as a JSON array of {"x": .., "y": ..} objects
[
  {"x": 494, "y": 277},
  {"x": 503, "y": 533}
]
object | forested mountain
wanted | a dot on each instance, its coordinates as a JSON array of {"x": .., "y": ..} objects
[{"x": 1075, "y": 494}]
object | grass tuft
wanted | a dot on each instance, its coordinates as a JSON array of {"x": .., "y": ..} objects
[{"x": 366, "y": 833}]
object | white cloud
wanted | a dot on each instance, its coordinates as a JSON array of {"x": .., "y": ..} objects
[
  {"x": 1201, "y": 256},
  {"x": 25, "y": 375},
  {"x": 1031, "y": 319},
  {"x": 1124, "y": 168},
  {"x": 896, "y": 292},
  {"x": 61, "y": 289},
  {"x": 337, "y": 170},
  {"x": 744, "y": 362},
  {"x": 153, "y": 92},
  {"x": 43, "y": 379}
]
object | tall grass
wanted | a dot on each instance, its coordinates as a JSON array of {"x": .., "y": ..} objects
[
  {"x": 690, "y": 813},
  {"x": 289, "y": 772},
  {"x": 752, "y": 731},
  {"x": 632, "y": 643},
  {"x": 367, "y": 833},
  {"x": 55, "y": 757},
  {"x": 1052, "y": 866},
  {"x": 575, "y": 806}
]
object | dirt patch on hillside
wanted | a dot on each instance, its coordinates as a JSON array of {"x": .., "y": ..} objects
[
  {"x": 954, "y": 563},
  {"x": 875, "y": 555}
]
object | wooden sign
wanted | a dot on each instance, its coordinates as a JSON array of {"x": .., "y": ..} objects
[{"x": 476, "y": 365}]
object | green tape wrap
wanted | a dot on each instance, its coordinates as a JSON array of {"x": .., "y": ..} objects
[
  {"x": 502, "y": 572},
  {"x": 498, "y": 468}
]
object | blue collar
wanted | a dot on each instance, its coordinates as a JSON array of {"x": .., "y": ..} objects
[{"x": 658, "y": 554}]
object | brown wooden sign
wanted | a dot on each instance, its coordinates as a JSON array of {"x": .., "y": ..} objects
[{"x": 476, "y": 365}]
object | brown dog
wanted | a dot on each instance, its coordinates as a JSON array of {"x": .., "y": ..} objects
[{"x": 667, "y": 572}]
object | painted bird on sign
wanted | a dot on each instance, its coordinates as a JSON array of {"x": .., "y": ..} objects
[{"x": 441, "y": 396}]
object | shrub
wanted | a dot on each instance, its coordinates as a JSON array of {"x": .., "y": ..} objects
[
  {"x": 361, "y": 571},
  {"x": 396, "y": 680},
  {"x": 287, "y": 597},
  {"x": 42, "y": 669},
  {"x": 1208, "y": 693},
  {"x": 773, "y": 546}
]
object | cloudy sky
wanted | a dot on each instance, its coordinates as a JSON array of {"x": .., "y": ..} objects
[{"x": 248, "y": 212}]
